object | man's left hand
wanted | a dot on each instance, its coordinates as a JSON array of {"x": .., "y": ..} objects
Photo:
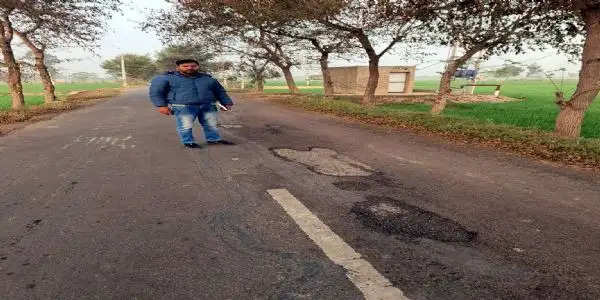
[{"x": 224, "y": 107}]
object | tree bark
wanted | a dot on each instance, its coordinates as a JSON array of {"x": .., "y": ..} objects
[
  {"x": 327, "y": 80},
  {"x": 570, "y": 117},
  {"x": 363, "y": 39},
  {"x": 260, "y": 82},
  {"x": 40, "y": 64},
  {"x": 445, "y": 82},
  {"x": 290, "y": 80},
  {"x": 445, "y": 90},
  {"x": 369, "y": 96},
  {"x": 14, "y": 74}
]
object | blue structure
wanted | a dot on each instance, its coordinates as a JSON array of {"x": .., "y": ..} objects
[{"x": 465, "y": 73}]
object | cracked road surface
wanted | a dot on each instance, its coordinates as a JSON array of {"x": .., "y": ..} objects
[{"x": 103, "y": 203}]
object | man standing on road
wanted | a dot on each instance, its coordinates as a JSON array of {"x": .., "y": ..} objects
[{"x": 190, "y": 95}]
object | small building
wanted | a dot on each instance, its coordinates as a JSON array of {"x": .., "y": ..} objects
[{"x": 396, "y": 80}]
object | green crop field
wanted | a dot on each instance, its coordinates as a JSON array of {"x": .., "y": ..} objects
[
  {"x": 33, "y": 91},
  {"x": 536, "y": 108}
]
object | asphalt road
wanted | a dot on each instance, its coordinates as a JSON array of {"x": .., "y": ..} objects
[{"x": 103, "y": 203}]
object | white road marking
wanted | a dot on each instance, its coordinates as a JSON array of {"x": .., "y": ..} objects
[
  {"x": 396, "y": 157},
  {"x": 406, "y": 160},
  {"x": 104, "y": 142},
  {"x": 230, "y": 126},
  {"x": 479, "y": 176},
  {"x": 365, "y": 277}
]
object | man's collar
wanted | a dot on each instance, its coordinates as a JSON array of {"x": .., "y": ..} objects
[{"x": 184, "y": 75}]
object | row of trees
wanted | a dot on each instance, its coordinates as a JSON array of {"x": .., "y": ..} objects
[
  {"x": 144, "y": 67},
  {"x": 512, "y": 69},
  {"x": 281, "y": 31},
  {"x": 42, "y": 25}
]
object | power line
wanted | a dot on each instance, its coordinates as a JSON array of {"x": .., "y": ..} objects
[
  {"x": 521, "y": 62},
  {"x": 429, "y": 66}
]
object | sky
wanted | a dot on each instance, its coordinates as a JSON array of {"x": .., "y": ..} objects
[{"x": 125, "y": 36}]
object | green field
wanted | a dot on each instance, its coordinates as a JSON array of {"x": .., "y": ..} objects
[
  {"x": 536, "y": 110},
  {"x": 280, "y": 86},
  {"x": 33, "y": 91}
]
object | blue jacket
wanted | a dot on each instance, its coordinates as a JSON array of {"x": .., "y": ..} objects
[{"x": 175, "y": 88}]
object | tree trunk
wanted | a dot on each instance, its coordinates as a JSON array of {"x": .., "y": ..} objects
[
  {"x": 327, "y": 80},
  {"x": 445, "y": 82},
  {"x": 369, "y": 96},
  {"x": 445, "y": 90},
  {"x": 260, "y": 82},
  {"x": 290, "y": 80},
  {"x": 570, "y": 118},
  {"x": 14, "y": 75},
  {"x": 40, "y": 64}
]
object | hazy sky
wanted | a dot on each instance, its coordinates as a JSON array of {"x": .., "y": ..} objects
[{"x": 124, "y": 35}]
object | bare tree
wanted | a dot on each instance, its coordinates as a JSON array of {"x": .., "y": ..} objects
[
  {"x": 487, "y": 26},
  {"x": 374, "y": 24},
  {"x": 47, "y": 24},
  {"x": 581, "y": 22},
  {"x": 323, "y": 40},
  {"x": 286, "y": 20},
  {"x": 275, "y": 51},
  {"x": 7, "y": 9},
  {"x": 219, "y": 24},
  {"x": 259, "y": 70}
]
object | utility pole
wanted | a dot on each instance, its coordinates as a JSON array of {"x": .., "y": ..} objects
[
  {"x": 305, "y": 69},
  {"x": 451, "y": 55},
  {"x": 123, "y": 72},
  {"x": 478, "y": 59}
]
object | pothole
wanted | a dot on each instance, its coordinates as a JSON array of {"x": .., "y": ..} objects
[
  {"x": 357, "y": 186},
  {"x": 274, "y": 129},
  {"x": 396, "y": 217},
  {"x": 386, "y": 210},
  {"x": 326, "y": 161}
]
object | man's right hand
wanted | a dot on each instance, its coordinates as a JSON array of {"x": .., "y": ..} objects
[{"x": 165, "y": 110}]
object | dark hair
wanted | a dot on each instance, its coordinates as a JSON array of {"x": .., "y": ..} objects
[{"x": 186, "y": 61}]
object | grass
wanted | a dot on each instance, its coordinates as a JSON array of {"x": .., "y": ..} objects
[
  {"x": 533, "y": 142},
  {"x": 42, "y": 110},
  {"x": 536, "y": 110},
  {"x": 282, "y": 83},
  {"x": 304, "y": 90},
  {"x": 280, "y": 87},
  {"x": 32, "y": 90}
]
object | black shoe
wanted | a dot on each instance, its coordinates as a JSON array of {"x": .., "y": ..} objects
[
  {"x": 192, "y": 146},
  {"x": 221, "y": 142}
]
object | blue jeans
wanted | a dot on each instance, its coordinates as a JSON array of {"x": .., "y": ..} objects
[{"x": 186, "y": 115}]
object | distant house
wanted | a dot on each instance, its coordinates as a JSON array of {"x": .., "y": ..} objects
[{"x": 396, "y": 80}]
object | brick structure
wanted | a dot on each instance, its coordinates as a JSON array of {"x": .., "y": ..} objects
[{"x": 396, "y": 80}]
